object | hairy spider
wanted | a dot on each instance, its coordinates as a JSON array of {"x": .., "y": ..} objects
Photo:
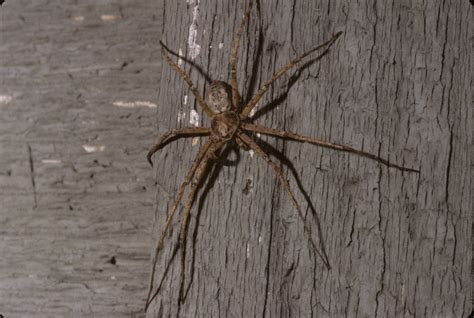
[{"x": 230, "y": 122}]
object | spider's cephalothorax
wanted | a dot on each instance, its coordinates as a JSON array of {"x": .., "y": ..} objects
[
  {"x": 219, "y": 97},
  {"x": 231, "y": 121},
  {"x": 224, "y": 125}
]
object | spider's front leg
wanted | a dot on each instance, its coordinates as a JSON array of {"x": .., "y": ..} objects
[
  {"x": 188, "y": 81},
  {"x": 284, "y": 182},
  {"x": 233, "y": 59},
  {"x": 253, "y": 102},
  {"x": 320, "y": 142},
  {"x": 175, "y": 134}
]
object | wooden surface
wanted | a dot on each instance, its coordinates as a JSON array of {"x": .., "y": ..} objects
[
  {"x": 395, "y": 84},
  {"x": 75, "y": 225}
]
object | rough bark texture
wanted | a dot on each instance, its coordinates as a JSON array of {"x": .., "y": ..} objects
[
  {"x": 74, "y": 225},
  {"x": 396, "y": 84}
]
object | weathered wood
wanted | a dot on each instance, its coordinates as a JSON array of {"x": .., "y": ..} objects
[
  {"x": 76, "y": 242},
  {"x": 396, "y": 84}
]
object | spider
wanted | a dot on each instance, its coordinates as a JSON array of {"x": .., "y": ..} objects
[{"x": 231, "y": 123}]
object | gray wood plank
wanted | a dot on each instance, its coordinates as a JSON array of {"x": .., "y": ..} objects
[
  {"x": 396, "y": 84},
  {"x": 77, "y": 242}
]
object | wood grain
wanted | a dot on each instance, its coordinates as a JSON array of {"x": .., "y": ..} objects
[
  {"x": 397, "y": 85},
  {"x": 76, "y": 241}
]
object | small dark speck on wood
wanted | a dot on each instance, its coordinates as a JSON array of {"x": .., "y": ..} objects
[{"x": 113, "y": 260}]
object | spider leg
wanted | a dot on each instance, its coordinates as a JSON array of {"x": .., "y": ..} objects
[
  {"x": 253, "y": 102},
  {"x": 189, "y": 61},
  {"x": 159, "y": 246},
  {"x": 242, "y": 145},
  {"x": 183, "y": 234},
  {"x": 233, "y": 58},
  {"x": 307, "y": 230},
  {"x": 174, "y": 134},
  {"x": 187, "y": 79},
  {"x": 320, "y": 142}
]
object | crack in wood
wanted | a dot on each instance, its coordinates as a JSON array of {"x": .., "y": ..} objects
[{"x": 32, "y": 175}]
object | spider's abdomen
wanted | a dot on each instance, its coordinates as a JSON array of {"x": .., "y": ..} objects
[
  {"x": 224, "y": 125},
  {"x": 219, "y": 97}
]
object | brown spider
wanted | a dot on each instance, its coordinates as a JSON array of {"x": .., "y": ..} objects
[{"x": 230, "y": 122}]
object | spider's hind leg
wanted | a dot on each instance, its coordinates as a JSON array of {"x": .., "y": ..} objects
[
  {"x": 284, "y": 182},
  {"x": 242, "y": 144},
  {"x": 183, "y": 234},
  {"x": 159, "y": 246}
]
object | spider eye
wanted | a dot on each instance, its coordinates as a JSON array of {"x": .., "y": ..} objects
[{"x": 219, "y": 101}]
